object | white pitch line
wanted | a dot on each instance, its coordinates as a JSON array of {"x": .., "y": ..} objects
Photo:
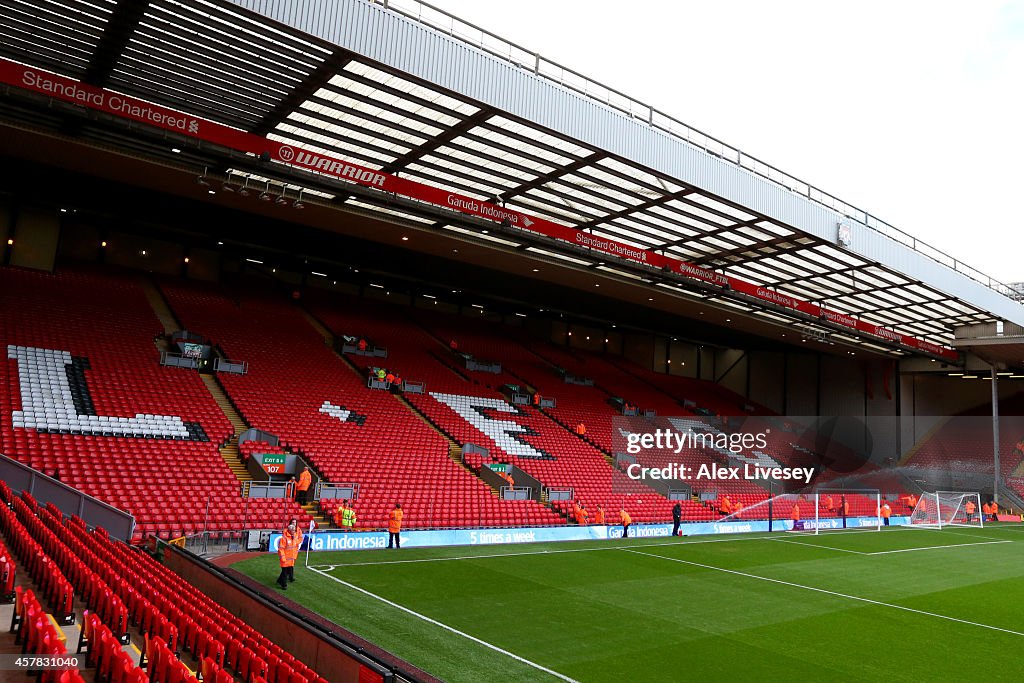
[
  {"x": 856, "y": 598},
  {"x": 817, "y": 545},
  {"x": 557, "y": 552},
  {"x": 449, "y": 628},
  {"x": 949, "y": 530},
  {"x": 935, "y": 547}
]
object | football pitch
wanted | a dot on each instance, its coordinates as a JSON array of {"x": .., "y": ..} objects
[{"x": 900, "y": 604}]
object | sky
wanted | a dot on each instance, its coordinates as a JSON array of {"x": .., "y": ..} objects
[{"x": 911, "y": 111}]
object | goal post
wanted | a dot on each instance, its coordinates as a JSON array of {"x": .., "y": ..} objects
[
  {"x": 948, "y": 508},
  {"x": 815, "y": 512}
]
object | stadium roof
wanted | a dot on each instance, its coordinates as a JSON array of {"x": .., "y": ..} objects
[{"x": 228, "y": 64}]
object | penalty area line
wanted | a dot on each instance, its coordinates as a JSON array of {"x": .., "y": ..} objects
[
  {"x": 935, "y": 547},
  {"x": 817, "y": 545},
  {"x": 446, "y": 627},
  {"x": 846, "y": 596}
]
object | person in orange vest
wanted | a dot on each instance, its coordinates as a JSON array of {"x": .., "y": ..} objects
[
  {"x": 289, "y": 489},
  {"x": 829, "y": 504},
  {"x": 986, "y": 510},
  {"x": 396, "y": 383},
  {"x": 536, "y": 398},
  {"x": 361, "y": 345},
  {"x": 886, "y": 512},
  {"x": 599, "y": 515},
  {"x": 575, "y": 508},
  {"x": 453, "y": 345},
  {"x": 994, "y": 507},
  {"x": 287, "y": 552},
  {"x": 389, "y": 378},
  {"x": 582, "y": 516},
  {"x": 302, "y": 487},
  {"x": 912, "y": 500},
  {"x": 626, "y": 521},
  {"x": 795, "y": 514},
  {"x": 725, "y": 506},
  {"x": 581, "y": 429},
  {"x": 737, "y": 507},
  {"x": 395, "y": 526},
  {"x": 969, "y": 509}
]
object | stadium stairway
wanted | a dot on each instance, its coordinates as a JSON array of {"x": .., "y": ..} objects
[
  {"x": 229, "y": 450},
  {"x": 329, "y": 338},
  {"x": 160, "y": 306},
  {"x": 313, "y": 510},
  {"x": 233, "y": 456}
]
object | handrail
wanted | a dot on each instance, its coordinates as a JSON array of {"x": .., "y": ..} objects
[{"x": 437, "y": 18}]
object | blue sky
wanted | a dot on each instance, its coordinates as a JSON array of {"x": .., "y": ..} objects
[{"x": 909, "y": 110}]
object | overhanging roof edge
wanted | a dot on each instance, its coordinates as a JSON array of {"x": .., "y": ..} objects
[{"x": 418, "y": 50}]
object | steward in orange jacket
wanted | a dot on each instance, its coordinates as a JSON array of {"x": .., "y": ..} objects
[
  {"x": 886, "y": 513},
  {"x": 626, "y": 521},
  {"x": 302, "y": 487},
  {"x": 582, "y": 516},
  {"x": 599, "y": 515},
  {"x": 287, "y": 552},
  {"x": 395, "y": 526},
  {"x": 725, "y": 505},
  {"x": 970, "y": 508},
  {"x": 795, "y": 514}
]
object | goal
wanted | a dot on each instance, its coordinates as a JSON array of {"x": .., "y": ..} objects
[
  {"x": 815, "y": 512},
  {"x": 947, "y": 508}
]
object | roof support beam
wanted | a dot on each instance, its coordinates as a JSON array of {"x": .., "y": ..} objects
[
  {"x": 334, "y": 63},
  {"x": 540, "y": 181},
  {"x": 464, "y": 126},
  {"x": 756, "y": 247},
  {"x": 623, "y": 213},
  {"x": 122, "y": 24}
]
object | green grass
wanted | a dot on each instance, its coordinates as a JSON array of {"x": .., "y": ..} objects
[{"x": 736, "y": 607}]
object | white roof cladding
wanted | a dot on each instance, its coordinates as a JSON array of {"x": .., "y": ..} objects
[{"x": 411, "y": 47}]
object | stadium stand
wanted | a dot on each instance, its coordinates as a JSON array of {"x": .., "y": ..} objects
[
  {"x": 455, "y": 396},
  {"x": 964, "y": 444},
  {"x": 379, "y": 443},
  {"x": 373, "y": 439},
  {"x": 126, "y": 593},
  {"x": 101, "y": 412}
]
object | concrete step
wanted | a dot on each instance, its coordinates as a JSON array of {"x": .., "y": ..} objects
[{"x": 160, "y": 307}]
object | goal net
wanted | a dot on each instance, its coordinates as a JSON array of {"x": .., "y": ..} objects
[
  {"x": 813, "y": 512},
  {"x": 947, "y": 508}
]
